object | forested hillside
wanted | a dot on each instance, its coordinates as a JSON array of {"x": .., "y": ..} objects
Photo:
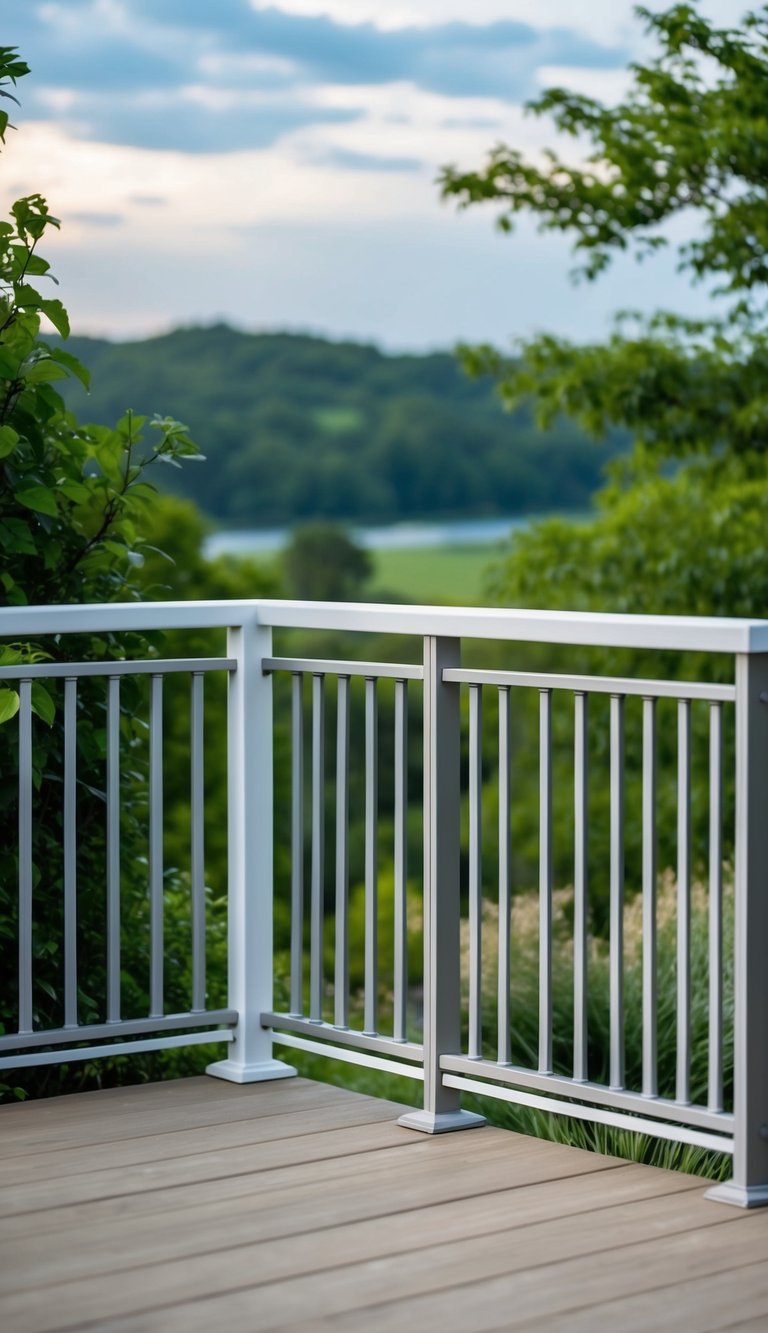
[{"x": 297, "y": 427}]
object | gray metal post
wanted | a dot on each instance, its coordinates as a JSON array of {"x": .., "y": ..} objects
[
  {"x": 250, "y": 824},
  {"x": 748, "y": 1187},
  {"x": 442, "y": 905}
]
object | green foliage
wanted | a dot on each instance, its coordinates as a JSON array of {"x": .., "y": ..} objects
[
  {"x": 689, "y": 140},
  {"x": 323, "y": 564},
  {"x": 681, "y": 527},
  {"x": 71, "y": 495},
  {"x": 73, "y": 500},
  {"x": 299, "y": 429},
  {"x": 692, "y": 544}
]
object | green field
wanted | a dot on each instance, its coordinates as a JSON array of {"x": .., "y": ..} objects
[
  {"x": 434, "y": 573},
  {"x": 426, "y": 574}
]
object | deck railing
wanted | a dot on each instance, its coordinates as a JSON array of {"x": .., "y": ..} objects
[{"x": 383, "y": 1026}]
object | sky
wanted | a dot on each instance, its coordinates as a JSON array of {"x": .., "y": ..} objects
[{"x": 272, "y": 163}]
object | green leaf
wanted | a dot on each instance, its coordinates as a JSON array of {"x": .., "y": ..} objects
[
  {"x": 9, "y": 704},
  {"x": 114, "y": 548},
  {"x": 144, "y": 490},
  {"x": 9, "y": 362},
  {"x": 44, "y": 371},
  {"x": 39, "y": 498},
  {"x": 73, "y": 365},
  {"x": 130, "y": 425},
  {"x": 52, "y": 553},
  {"x": 16, "y": 537},
  {"x": 8, "y": 440},
  {"x": 16, "y": 595},
  {"x": 55, "y": 312},
  {"x": 42, "y": 703},
  {"x": 35, "y": 264},
  {"x": 76, "y": 491}
]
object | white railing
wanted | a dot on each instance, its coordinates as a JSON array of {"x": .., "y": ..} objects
[{"x": 323, "y": 1016}]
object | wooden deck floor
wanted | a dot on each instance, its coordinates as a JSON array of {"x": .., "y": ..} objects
[{"x": 202, "y": 1205}]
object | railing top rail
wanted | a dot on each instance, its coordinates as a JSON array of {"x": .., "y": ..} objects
[
  {"x": 617, "y": 685},
  {"x": 145, "y": 667},
  {"x": 576, "y": 628},
  {"x": 319, "y": 666}
]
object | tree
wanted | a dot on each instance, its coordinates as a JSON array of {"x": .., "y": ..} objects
[
  {"x": 681, "y": 528},
  {"x": 72, "y": 494},
  {"x": 322, "y": 563},
  {"x": 690, "y": 138},
  {"x": 72, "y": 500}
]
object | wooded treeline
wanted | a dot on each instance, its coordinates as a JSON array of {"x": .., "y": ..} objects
[{"x": 298, "y": 427}]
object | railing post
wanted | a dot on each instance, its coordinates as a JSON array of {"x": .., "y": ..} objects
[
  {"x": 748, "y": 1187},
  {"x": 442, "y": 811},
  {"x": 250, "y": 835}
]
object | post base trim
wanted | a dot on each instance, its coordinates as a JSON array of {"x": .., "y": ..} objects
[
  {"x": 441, "y": 1122},
  {"x": 741, "y": 1196},
  {"x": 262, "y": 1072}
]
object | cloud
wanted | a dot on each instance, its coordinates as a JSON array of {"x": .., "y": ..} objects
[
  {"x": 456, "y": 58},
  {"x": 345, "y": 157},
  {"x": 188, "y": 119},
  {"x": 200, "y": 77},
  {"x": 95, "y": 219},
  {"x": 205, "y": 202},
  {"x": 602, "y": 20}
]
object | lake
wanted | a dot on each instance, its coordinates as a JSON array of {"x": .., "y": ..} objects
[{"x": 395, "y": 536}]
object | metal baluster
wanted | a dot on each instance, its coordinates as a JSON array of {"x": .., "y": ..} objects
[
  {"x": 650, "y": 980},
  {"x": 156, "y": 846},
  {"x": 400, "y": 1026},
  {"x": 617, "y": 894},
  {"x": 715, "y": 1094},
  {"x": 475, "y": 1048},
  {"x": 198, "y": 840},
  {"x": 25, "y": 856},
  {"x": 318, "y": 852},
  {"x": 545, "y": 881},
  {"x": 70, "y": 852},
  {"x": 371, "y": 860},
  {"x": 504, "y": 1051},
  {"x": 580, "y": 886},
  {"x": 113, "y": 850},
  {"x": 341, "y": 978},
  {"x": 297, "y": 845},
  {"x": 683, "y": 1093}
]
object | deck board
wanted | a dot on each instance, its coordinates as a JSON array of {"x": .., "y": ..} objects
[{"x": 198, "y": 1204}]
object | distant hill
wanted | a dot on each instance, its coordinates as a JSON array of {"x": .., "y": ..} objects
[{"x": 298, "y": 427}]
